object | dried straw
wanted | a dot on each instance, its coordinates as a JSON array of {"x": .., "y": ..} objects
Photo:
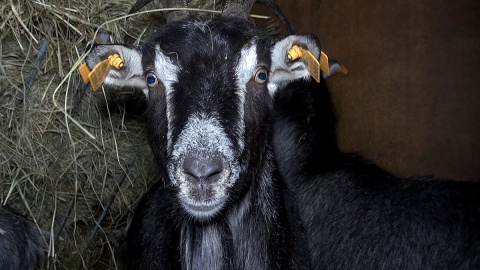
[{"x": 71, "y": 159}]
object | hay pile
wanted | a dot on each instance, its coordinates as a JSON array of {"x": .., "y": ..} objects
[{"x": 69, "y": 156}]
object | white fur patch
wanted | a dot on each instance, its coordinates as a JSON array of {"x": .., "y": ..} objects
[
  {"x": 282, "y": 70},
  {"x": 131, "y": 74},
  {"x": 206, "y": 253},
  {"x": 245, "y": 69},
  {"x": 203, "y": 135},
  {"x": 167, "y": 72},
  {"x": 247, "y": 65}
]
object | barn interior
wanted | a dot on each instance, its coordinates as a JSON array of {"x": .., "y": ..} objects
[
  {"x": 76, "y": 162},
  {"x": 411, "y": 102}
]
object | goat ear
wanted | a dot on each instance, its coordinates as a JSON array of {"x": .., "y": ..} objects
[
  {"x": 131, "y": 74},
  {"x": 283, "y": 70}
]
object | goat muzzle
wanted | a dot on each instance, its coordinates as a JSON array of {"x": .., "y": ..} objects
[{"x": 202, "y": 170}]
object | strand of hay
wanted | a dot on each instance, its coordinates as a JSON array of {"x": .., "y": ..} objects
[
  {"x": 70, "y": 158},
  {"x": 61, "y": 157}
]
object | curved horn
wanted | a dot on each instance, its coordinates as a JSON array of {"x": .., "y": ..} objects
[
  {"x": 242, "y": 8},
  {"x": 172, "y": 16},
  {"x": 138, "y": 5},
  {"x": 271, "y": 4},
  {"x": 238, "y": 8}
]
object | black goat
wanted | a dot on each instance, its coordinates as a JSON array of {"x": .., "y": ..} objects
[
  {"x": 359, "y": 216},
  {"x": 219, "y": 202},
  {"x": 22, "y": 244}
]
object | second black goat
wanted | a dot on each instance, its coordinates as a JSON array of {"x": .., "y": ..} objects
[{"x": 359, "y": 216}]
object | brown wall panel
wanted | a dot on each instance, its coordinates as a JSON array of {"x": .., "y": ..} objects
[{"x": 412, "y": 100}]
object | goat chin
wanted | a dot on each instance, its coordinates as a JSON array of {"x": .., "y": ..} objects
[{"x": 203, "y": 211}]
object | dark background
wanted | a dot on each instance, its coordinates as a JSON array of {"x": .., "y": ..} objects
[{"x": 411, "y": 102}]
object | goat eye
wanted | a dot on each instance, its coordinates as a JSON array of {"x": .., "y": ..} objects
[
  {"x": 151, "y": 79},
  {"x": 261, "y": 75}
]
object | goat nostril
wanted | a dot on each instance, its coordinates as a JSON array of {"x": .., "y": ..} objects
[
  {"x": 213, "y": 176},
  {"x": 202, "y": 168}
]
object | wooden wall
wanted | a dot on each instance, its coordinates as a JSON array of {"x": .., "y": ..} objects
[{"x": 412, "y": 100}]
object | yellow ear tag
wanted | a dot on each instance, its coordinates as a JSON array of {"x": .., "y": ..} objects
[
  {"x": 99, "y": 73},
  {"x": 324, "y": 66},
  {"x": 84, "y": 71},
  {"x": 312, "y": 64}
]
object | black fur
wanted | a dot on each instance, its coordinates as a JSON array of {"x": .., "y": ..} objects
[
  {"x": 259, "y": 227},
  {"x": 22, "y": 245},
  {"x": 359, "y": 216},
  {"x": 304, "y": 129}
]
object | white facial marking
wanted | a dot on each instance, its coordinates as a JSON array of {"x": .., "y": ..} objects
[
  {"x": 206, "y": 136},
  {"x": 167, "y": 72},
  {"x": 245, "y": 69},
  {"x": 247, "y": 64}
]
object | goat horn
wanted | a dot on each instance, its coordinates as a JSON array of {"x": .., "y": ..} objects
[
  {"x": 272, "y": 4},
  {"x": 239, "y": 8},
  {"x": 172, "y": 16},
  {"x": 138, "y": 5},
  {"x": 242, "y": 8}
]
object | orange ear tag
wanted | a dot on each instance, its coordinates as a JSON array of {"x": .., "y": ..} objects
[
  {"x": 324, "y": 66},
  {"x": 312, "y": 64},
  {"x": 99, "y": 73}
]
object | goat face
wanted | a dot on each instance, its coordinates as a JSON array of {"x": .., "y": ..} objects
[{"x": 209, "y": 86}]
